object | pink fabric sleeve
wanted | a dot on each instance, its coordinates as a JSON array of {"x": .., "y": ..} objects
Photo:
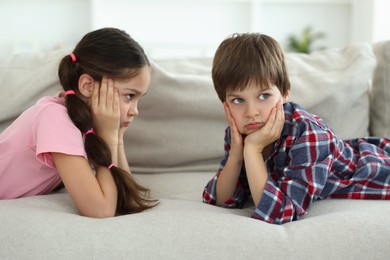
[{"x": 55, "y": 132}]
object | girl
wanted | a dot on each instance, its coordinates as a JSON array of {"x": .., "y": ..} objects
[{"x": 76, "y": 137}]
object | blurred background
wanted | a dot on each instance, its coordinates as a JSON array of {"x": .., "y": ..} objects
[{"x": 185, "y": 28}]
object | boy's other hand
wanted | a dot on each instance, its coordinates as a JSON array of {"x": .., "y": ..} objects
[{"x": 270, "y": 132}]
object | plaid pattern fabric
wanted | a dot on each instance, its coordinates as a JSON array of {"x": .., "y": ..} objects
[{"x": 310, "y": 162}]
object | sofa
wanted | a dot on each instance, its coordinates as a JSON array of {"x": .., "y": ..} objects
[{"x": 174, "y": 148}]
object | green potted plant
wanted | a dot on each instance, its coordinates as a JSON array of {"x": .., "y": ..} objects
[{"x": 303, "y": 43}]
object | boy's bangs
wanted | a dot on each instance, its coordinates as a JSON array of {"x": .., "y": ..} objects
[{"x": 262, "y": 81}]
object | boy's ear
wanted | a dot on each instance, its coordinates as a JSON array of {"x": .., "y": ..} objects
[{"x": 86, "y": 84}]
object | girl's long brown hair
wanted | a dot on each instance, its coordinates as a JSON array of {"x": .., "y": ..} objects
[{"x": 113, "y": 53}]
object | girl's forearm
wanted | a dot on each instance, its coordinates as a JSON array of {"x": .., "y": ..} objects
[
  {"x": 114, "y": 153},
  {"x": 122, "y": 158},
  {"x": 95, "y": 195},
  {"x": 112, "y": 141},
  {"x": 108, "y": 189}
]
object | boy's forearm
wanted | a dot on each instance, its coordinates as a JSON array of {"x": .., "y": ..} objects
[
  {"x": 256, "y": 172},
  {"x": 227, "y": 180}
]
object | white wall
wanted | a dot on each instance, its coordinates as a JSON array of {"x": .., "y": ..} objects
[
  {"x": 28, "y": 25},
  {"x": 282, "y": 19},
  {"x": 187, "y": 27},
  {"x": 175, "y": 27},
  {"x": 381, "y": 20}
]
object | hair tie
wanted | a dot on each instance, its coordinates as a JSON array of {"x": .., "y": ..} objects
[
  {"x": 69, "y": 92},
  {"x": 73, "y": 57},
  {"x": 90, "y": 131},
  {"x": 110, "y": 166}
]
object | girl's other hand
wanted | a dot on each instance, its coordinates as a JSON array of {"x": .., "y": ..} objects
[
  {"x": 105, "y": 110},
  {"x": 122, "y": 131}
]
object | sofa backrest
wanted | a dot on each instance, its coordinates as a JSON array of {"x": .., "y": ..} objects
[
  {"x": 380, "y": 93},
  {"x": 181, "y": 122}
]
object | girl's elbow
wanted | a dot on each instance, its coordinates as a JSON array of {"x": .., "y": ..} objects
[
  {"x": 101, "y": 212},
  {"x": 106, "y": 214}
]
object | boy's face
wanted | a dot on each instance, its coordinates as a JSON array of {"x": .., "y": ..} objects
[{"x": 251, "y": 107}]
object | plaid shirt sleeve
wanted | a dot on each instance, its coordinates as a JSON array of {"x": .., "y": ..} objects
[
  {"x": 309, "y": 161},
  {"x": 242, "y": 189}
]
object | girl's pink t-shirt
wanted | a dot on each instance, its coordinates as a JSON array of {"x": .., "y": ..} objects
[{"x": 26, "y": 165}]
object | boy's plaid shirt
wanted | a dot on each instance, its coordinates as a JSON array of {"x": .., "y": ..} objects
[{"x": 310, "y": 162}]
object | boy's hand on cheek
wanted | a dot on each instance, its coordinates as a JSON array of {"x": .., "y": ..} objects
[
  {"x": 270, "y": 132},
  {"x": 237, "y": 143}
]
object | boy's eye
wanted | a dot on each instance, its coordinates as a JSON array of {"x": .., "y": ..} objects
[
  {"x": 237, "y": 100},
  {"x": 264, "y": 96}
]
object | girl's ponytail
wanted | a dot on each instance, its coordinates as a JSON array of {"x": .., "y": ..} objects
[{"x": 132, "y": 197}]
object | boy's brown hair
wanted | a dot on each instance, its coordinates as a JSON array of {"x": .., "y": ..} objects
[{"x": 249, "y": 58}]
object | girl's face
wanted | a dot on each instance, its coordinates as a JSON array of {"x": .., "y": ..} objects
[
  {"x": 130, "y": 91},
  {"x": 252, "y": 106}
]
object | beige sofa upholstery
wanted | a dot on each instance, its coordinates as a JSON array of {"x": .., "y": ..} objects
[{"x": 174, "y": 148}]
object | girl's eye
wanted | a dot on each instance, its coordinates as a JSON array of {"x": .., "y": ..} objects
[
  {"x": 129, "y": 96},
  {"x": 264, "y": 96},
  {"x": 237, "y": 100}
]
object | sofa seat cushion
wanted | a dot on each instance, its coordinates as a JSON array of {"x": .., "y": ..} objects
[{"x": 182, "y": 226}]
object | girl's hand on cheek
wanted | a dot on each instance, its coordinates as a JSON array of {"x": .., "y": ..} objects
[
  {"x": 270, "y": 132},
  {"x": 105, "y": 110},
  {"x": 237, "y": 143}
]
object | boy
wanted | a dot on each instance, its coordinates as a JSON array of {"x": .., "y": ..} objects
[{"x": 276, "y": 152}]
